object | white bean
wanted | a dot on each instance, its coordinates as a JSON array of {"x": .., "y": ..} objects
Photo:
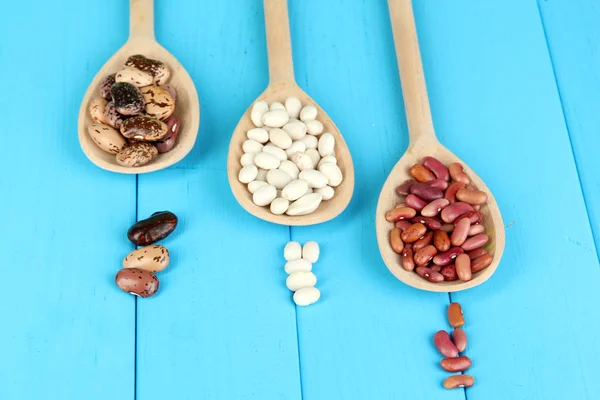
[
  {"x": 310, "y": 141},
  {"x": 278, "y": 178},
  {"x": 296, "y": 147},
  {"x": 297, "y": 265},
  {"x": 327, "y": 159},
  {"x": 290, "y": 168},
  {"x": 314, "y": 127},
  {"x": 305, "y": 204},
  {"x": 310, "y": 190},
  {"x": 327, "y": 192},
  {"x": 314, "y": 155},
  {"x": 276, "y": 118},
  {"x": 276, "y": 151},
  {"x": 314, "y": 178},
  {"x": 277, "y": 106},
  {"x": 308, "y": 113},
  {"x": 280, "y": 138},
  {"x": 311, "y": 251},
  {"x": 266, "y": 161},
  {"x": 247, "y": 159},
  {"x": 292, "y": 251},
  {"x": 303, "y": 161},
  {"x": 264, "y": 196},
  {"x": 258, "y": 110},
  {"x": 279, "y": 206},
  {"x": 332, "y": 172},
  {"x": 248, "y": 174},
  {"x": 262, "y": 175},
  {"x": 306, "y": 296},
  {"x": 258, "y": 134},
  {"x": 326, "y": 144},
  {"x": 293, "y": 106},
  {"x": 296, "y": 129},
  {"x": 300, "y": 279},
  {"x": 251, "y": 146},
  {"x": 294, "y": 190},
  {"x": 255, "y": 185}
]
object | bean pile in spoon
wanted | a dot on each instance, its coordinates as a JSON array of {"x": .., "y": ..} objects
[{"x": 438, "y": 227}]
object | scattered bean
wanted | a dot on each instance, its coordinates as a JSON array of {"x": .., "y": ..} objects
[
  {"x": 106, "y": 85},
  {"x": 292, "y": 251},
  {"x": 150, "y": 230},
  {"x": 442, "y": 341},
  {"x": 306, "y": 296},
  {"x": 311, "y": 251},
  {"x": 137, "y": 154},
  {"x": 159, "y": 71},
  {"x": 455, "y": 316},
  {"x": 144, "y": 128},
  {"x": 107, "y": 138},
  {"x": 152, "y": 258},
  {"x": 298, "y": 280},
  {"x": 456, "y": 364},
  {"x": 459, "y": 381},
  {"x": 459, "y": 337},
  {"x": 137, "y": 281}
]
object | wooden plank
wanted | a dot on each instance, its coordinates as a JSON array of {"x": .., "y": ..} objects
[
  {"x": 573, "y": 37},
  {"x": 67, "y": 331},
  {"x": 222, "y": 326},
  {"x": 496, "y": 104}
]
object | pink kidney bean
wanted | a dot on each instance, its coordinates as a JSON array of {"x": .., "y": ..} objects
[
  {"x": 423, "y": 256},
  {"x": 432, "y": 209},
  {"x": 442, "y": 342},
  {"x": 420, "y": 173},
  {"x": 428, "y": 274},
  {"x": 459, "y": 337},
  {"x": 404, "y": 189},
  {"x": 454, "y": 187},
  {"x": 481, "y": 263},
  {"x": 434, "y": 165},
  {"x": 477, "y": 207},
  {"x": 473, "y": 254},
  {"x": 415, "y": 202},
  {"x": 430, "y": 222},
  {"x": 458, "y": 173},
  {"x": 449, "y": 272},
  {"x": 476, "y": 230},
  {"x": 456, "y": 364},
  {"x": 463, "y": 267},
  {"x": 426, "y": 192},
  {"x": 407, "y": 258},
  {"x": 424, "y": 241},
  {"x": 474, "y": 242},
  {"x": 447, "y": 257},
  {"x": 435, "y": 268},
  {"x": 438, "y": 184},
  {"x": 459, "y": 381},
  {"x": 474, "y": 197},
  {"x": 461, "y": 230},
  {"x": 402, "y": 224},
  {"x": 400, "y": 213},
  {"x": 453, "y": 211},
  {"x": 474, "y": 216}
]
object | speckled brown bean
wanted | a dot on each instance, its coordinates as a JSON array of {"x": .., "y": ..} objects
[
  {"x": 137, "y": 281},
  {"x": 107, "y": 138},
  {"x": 463, "y": 267},
  {"x": 127, "y": 98},
  {"x": 159, "y": 71},
  {"x": 171, "y": 91},
  {"x": 400, "y": 213},
  {"x": 461, "y": 230},
  {"x": 147, "y": 231},
  {"x": 459, "y": 337},
  {"x": 459, "y": 381},
  {"x": 456, "y": 364},
  {"x": 407, "y": 261},
  {"x": 434, "y": 165},
  {"x": 413, "y": 233},
  {"x": 432, "y": 209},
  {"x": 458, "y": 173},
  {"x": 474, "y": 242},
  {"x": 420, "y": 173},
  {"x": 424, "y": 241},
  {"x": 481, "y": 263},
  {"x": 428, "y": 274},
  {"x": 430, "y": 222},
  {"x": 447, "y": 257},
  {"x": 106, "y": 85},
  {"x": 423, "y": 256},
  {"x": 449, "y": 273},
  {"x": 168, "y": 142},
  {"x": 450, "y": 193},
  {"x": 112, "y": 116},
  {"x": 455, "y": 315},
  {"x": 97, "y": 106},
  {"x": 438, "y": 184},
  {"x": 144, "y": 128},
  {"x": 152, "y": 258},
  {"x": 453, "y": 211},
  {"x": 473, "y": 254},
  {"x": 402, "y": 224},
  {"x": 134, "y": 76},
  {"x": 415, "y": 202},
  {"x": 442, "y": 342},
  {"x": 441, "y": 241},
  {"x": 471, "y": 196},
  {"x": 476, "y": 230},
  {"x": 158, "y": 102},
  {"x": 426, "y": 192},
  {"x": 137, "y": 154},
  {"x": 404, "y": 189},
  {"x": 395, "y": 241}
]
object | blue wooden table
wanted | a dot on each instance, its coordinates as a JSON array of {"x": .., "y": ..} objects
[{"x": 515, "y": 91}]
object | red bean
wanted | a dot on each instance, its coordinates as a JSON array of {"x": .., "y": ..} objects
[
  {"x": 456, "y": 317},
  {"x": 442, "y": 341},
  {"x": 424, "y": 241},
  {"x": 428, "y": 274},
  {"x": 453, "y": 211},
  {"x": 446, "y": 227},
  {"x": 454, "y": 187},
  {"x": 456, "y": 364},
  {"x": 447, "y": 257},
  {"x": 463, "y": 267},
  {"x": 449, "y": 272},
  {"x": 430, "y": 222},
  {"x": 395, "y": 241},
  {"x": 413, "y": 233},
  {"x": 400, "y": 213},
  {"x": 459, "y": 381},
  {"x": 407, "y": 258},
  {"x": 474, "y": 242},
  {"x": 461, "y": 230},
  {"x": 481, "y": 263},
  {"x": 476, "y": 230},
  {"x": 471, "y": 196},
  {"x": 432, "y": 209},
  {"x": 441, "y": 241},
  {"x": 402, "y": 224},
  {"x": 421, "y": 174},
  {"x": 423, "y": 256},
  {"x": 458, "y": 173},
  {"x": 438, "y": 184},
  {"x": 439, "y": 170},
  {"x": 459, "y": 337},
  {"x": 474, "y": 216},
  {"x": 435, "y": 268},
  {"x": 473, "y": 254},
  {"x": 415, "y": 202},
  {"x": 404, "y": 189},
  {"x": 426, "y": 192}
]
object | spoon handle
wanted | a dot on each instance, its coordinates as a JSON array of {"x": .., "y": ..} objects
[
  {"x": 141, "y": 18},
  {"x": 279, "y": 45},
  {"x": 414, "y": 89}
]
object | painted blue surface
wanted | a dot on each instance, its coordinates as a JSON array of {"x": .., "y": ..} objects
[{"x": 514, "y": 91}]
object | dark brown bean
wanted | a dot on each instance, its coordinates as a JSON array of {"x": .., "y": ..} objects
[
  {"x": 463, "y": 267},
  {"x": 404, "y": 189},
  {"x": 481, "y": 263},
  {"x": 424, "y": 255},
  {"x": 127, "y": 98},
  {"x": 407, "y": 258},
  {"x": 449, "y": 272},
  {"x": 459, "y": 337},
  {"x": 395, "y": 241},
  {"x": 413, "y": 233},
  {"x": 474, "y": 242},
  {"x": 415, "y": 202},
  {"x": 450, "y": 193},
  {"x": 447, "y": 257},
  {"x": 439, "y": 170},
  {"x": 441, "y": 241},
  {"x": 137, "y": 281},
  {"x": 455, "y": 316},
  {"x": 428, "y": 274},
  {"x": 420, "y": 173},
  {"x": 442, "y": 342},
  {"x": 456, "y": 364},
  {"x": 400, "y": 213},
  {"x": 158, "y": 226},
  {"x": 426, "y": 192},
  {"x": 459, "y": 381},
  {"x": 424, "y": 241},
  {"x": 432, "y": 223}
]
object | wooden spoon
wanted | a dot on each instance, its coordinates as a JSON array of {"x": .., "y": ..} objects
[
  {"x": 282, "y": 85},
  {"x": 423, "y": 143},
  {"x": 142, "y": 41}
]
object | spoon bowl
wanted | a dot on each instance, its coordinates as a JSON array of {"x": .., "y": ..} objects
[
  {"x": 141, "y": 41},
  {"x": 423, "y": 143},
  {"x": 282, "y": 86}
]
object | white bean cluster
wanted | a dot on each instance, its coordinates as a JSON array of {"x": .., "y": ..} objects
[
  {"x": 301, "y": 280},
  {"x": 289, "y": 164}
]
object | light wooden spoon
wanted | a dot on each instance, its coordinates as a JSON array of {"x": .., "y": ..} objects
[
  {"x": 282, "y": 85},
  {"x": 142, "y": 41},
  {"x": 423, "y": 143}
]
